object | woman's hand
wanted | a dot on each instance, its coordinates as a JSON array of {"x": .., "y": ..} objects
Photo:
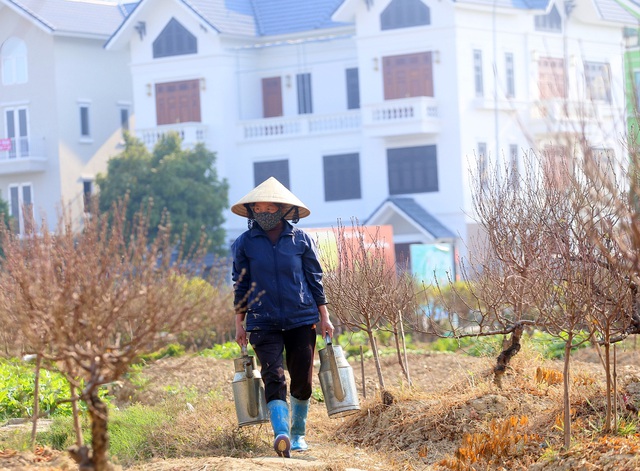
[
  {"x": 326, "y": 327},
  {"x": 241, "y": 333}
]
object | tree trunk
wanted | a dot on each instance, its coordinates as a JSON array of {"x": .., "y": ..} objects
[
  {"x": 36, "y": 402},
  {"x": 567, "y": 398},
  {"x": 607, "y": 366},
  {"x": 99, "y": 437},
  {"x": 396, "y": 338},
  {"x": 376, "y": 358},
  {"x": 505, "y": 356},
  {"x": 77, "y": 427},
  {"x": 404, "y": 349}
]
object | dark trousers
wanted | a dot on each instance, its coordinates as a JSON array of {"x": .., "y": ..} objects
[{"x": 298, "y": 346}]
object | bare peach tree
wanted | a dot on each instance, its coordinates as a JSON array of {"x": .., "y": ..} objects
[
  {"x": 364, "y": 290},
  {"x": 507, "y": 269},
  {"x": 91, "y": 301}
]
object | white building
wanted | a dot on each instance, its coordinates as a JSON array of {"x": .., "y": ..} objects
[
  {"x": 63, "y": 101},
  {"x": 373, "y": 109}
]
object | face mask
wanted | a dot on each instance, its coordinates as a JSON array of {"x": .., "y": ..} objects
[{"x": 268, "y": 220}]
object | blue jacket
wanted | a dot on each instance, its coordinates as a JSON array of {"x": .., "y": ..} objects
[{"x": 279, "y": 286}]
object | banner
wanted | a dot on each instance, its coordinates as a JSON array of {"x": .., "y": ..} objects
[
  {"x": 376, "y": 240},
  {"x": 433, "y": 262}
]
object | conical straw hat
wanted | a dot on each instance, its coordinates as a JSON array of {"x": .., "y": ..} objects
[{"x": 271, "y": 191}]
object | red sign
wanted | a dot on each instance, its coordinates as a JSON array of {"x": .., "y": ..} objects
[{"x": 5, "y": 144}]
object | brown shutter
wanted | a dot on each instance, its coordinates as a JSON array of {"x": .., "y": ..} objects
[
  {"x": 178, "y": 102},
  {"x": 409, "y": 75},
  {"x": 272, "y": 97}
]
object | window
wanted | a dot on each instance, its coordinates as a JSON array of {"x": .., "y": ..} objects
[
  {"x": 85, "y": 129},
  {"x": 353, "y": 89},
  {"x": 21, "y": 206},
  {"x": 178, "y": 102},
  {"x": 510, "y": 75},
  {"x": 598, "y": 81},
  {"x": 341, "y": 177},
  {"x": 408, "y": 75},
  {"x": 271, "y": 97},
  {"x": 274, "y": 168},
  {"x": 551, "y": 78},
  {"x": 174, "y": 40},
  {"x": 551, "y": 22},
  {"x": 483, "y": 163},
  {"x": 412, "y": 170},
  {"x": 124, "y": 118},
  {"x": 557, "y": 167},
  {"x": 477, "y": 72},
  {"x": 304, "y": 93},
  {"x": 13, "y": 61},
  {"x": 87, "y": 192},
  {"x": 404, "y": 14},
  {"x": 17, "y": 131},
  {"x": 514, "y": 171}
]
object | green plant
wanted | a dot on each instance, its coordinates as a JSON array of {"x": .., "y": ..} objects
[
  {"x": 131, "y": 432},
  {"x": 317, "y": 394},
  {"x": 171, "y": 350},
  {"x": 17, "y": 393},
  {"x": 225, "y": 351},
  {"x": 552, "y": 346}
]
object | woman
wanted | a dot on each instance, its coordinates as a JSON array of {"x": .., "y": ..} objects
[{"x": 278, "y": 294}]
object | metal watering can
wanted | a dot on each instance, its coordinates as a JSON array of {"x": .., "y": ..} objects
[
  {"x": 337, "y": 381},
  {"x": 248, "y": 391}
]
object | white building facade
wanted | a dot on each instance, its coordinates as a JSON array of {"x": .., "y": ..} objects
[
  {"x": 368, "y": 110},
  {"x": 63, "y": 103}
]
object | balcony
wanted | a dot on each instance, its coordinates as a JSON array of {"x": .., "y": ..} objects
[
  {"x": 567, "y": 116},
  {"x": 404, "y": 116},
  {"x": 190, "y": 133},
  {"x": 299, "y": 126},
  {"x": 22, "y": 155}
]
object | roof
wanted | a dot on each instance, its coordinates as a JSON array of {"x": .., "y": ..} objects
[
  {"x": 420, "y": 216},
  {"x": 252, "y": 18},
  {"x": 72, "y": 17},
  {"x": 621, "y": 11}
]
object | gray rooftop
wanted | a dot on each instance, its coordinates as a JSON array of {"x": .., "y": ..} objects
[
  {"x": 416, "y": 212},
  {"x": 82, "y": 17}
]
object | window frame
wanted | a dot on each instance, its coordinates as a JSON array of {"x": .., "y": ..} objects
[
  {"x": 264, "y": 169},
  {"x": 603, "y": 94},
  {"x": 162, "y": 48},
  {"x": 406, "y": 164},
  {"x": 304, "y": 90},
  {"x": 478, "y": 79},
  {"x": 510, "y": 74},
  {"x": 551, "y": 22},
  {"x": 84, "y": 110},
  {"x": 342, "y": 177},
  {"x": 14, "y": 61},
  {"x": 405, "y": 14},
  {"x": 20, "y": 189},
  {"x": 352, "y": 76}
]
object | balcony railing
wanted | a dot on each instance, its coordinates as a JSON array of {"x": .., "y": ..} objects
[
  {"x": 22, "y": 155},
  {"x": 190, "y": 133},
  {"x": 562, "y": 115},
  {"x": 302, "y": 125},
  {"x": 415, "y": 115}
]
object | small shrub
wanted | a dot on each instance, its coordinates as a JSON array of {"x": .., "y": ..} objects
[{"x": 132, "y": 430}]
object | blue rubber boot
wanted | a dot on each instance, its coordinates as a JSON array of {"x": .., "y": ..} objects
[
  {"x": 279, "y": 416},
  {"x": 299, "y": 411}
]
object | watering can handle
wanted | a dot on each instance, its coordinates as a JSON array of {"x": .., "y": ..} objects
[
  {"x": 244, "y": 350},
  {"x": 338, "y": 390}
]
